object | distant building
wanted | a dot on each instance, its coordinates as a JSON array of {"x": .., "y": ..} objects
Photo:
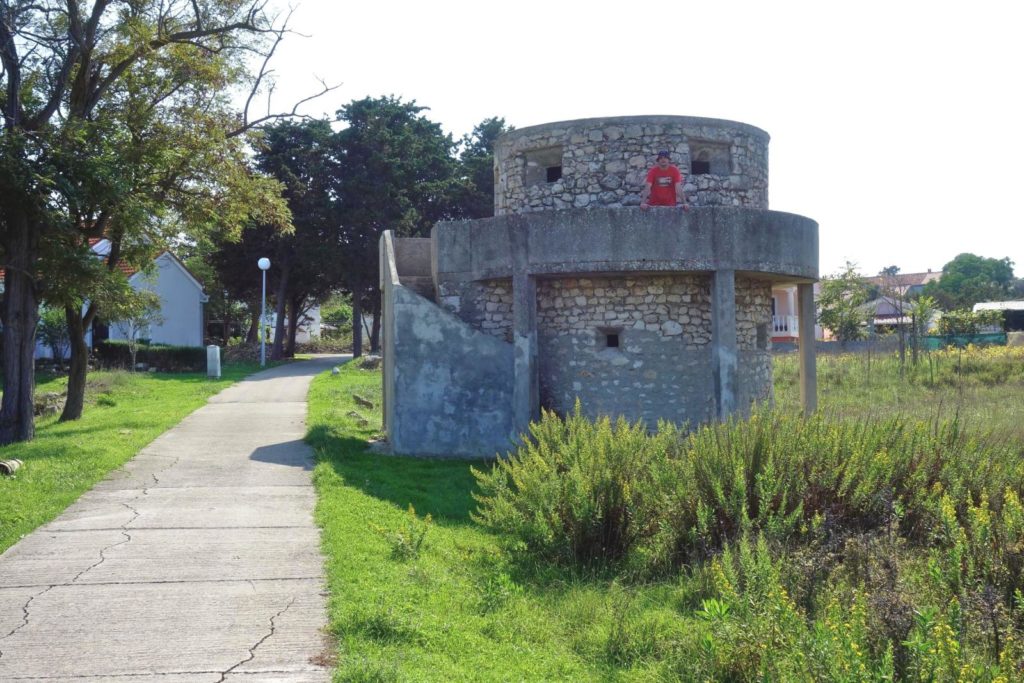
[
  {"x": 904, "y": 285},
  {"x": 1013, "y": 313}
]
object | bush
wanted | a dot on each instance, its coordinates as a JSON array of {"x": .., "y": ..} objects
[
  {"x": 53, "y": 331},
  {"x": 114, "y": 353},
  {"x": 585, "y": 494}
]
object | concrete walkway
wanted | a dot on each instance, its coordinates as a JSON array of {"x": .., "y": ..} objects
[{"x": 196, "y": 562}]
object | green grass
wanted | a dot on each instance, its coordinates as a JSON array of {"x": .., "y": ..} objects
[
  {"x": 467, "y": 606},
  {"x": 123, "y": 412},
  {"x": 458, "y": 611},
  {"x": 984, "y": 387}
]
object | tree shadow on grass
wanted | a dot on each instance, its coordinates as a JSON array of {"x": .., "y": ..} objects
[{"x": 440, "y": 487}]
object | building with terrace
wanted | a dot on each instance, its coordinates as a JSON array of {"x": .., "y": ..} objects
[{"x": 571, "y": 292}]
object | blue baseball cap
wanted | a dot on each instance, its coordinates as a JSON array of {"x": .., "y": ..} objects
[{"x": 664, "y": 153}]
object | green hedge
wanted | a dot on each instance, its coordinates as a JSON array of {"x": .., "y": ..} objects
[{"x": 115, "y": 354}]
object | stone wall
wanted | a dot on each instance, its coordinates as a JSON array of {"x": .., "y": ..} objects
[
  {"x": 604, "y": 162},
  {"x": 667, "y": 305},
  {"x": 635, "y": 345},
  {"x": 753, "y": 314},
  {"x": 659, "y": 366},
  {"x": 639, "y": 346},
  {"x": 485, "y": 305}
]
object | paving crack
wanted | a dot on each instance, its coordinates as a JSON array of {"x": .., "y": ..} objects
[
  {"x": 103, "y": 551},
  {"x": 156, "y": 479},
  {"x": 252, "y": 650},
  {"x": 25, "y": 615}
]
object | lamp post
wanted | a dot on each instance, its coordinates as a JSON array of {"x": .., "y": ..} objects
[{"x": 264, "y": 264}]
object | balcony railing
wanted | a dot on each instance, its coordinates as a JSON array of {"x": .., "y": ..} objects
[{"x": 786, "y": 324}]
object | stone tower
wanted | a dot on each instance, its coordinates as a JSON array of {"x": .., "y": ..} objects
[{"x": 572, "y": 292}]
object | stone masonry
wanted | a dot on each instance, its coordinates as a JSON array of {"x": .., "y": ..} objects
[
  {"x": 604, "y": 162},
  {"x": 485, "y": 305}
]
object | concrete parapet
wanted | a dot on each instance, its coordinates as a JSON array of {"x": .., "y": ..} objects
[{"x": 781, "y": 246}]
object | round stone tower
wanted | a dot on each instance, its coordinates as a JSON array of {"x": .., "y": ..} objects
[
  {"x": 574, "y": 293},
  {"x": 604, "y": 162}
]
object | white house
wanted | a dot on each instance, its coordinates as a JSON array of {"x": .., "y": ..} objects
[
  {"x": 785, "y": 317},
  {"x": 181, "y": 303},
  {"x": 309, "y": 325}
]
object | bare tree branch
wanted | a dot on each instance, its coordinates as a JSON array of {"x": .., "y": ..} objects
[{"x": 249, "y": 125}]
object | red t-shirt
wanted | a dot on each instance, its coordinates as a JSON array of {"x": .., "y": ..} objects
[{"x": 663, "y": 185}]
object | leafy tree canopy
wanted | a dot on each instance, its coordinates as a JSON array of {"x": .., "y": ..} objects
[
  {"x": 841, "y": 303},
  {"x": 474, "y": 196},
  {"x": 969, "y": 278},
  {"x": 117, "y": 121}
]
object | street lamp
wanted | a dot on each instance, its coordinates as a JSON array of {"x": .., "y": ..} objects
[{"x": 264, "y": 264}]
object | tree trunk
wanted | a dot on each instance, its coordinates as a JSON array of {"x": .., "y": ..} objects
[
  {"x": 20, "y": 316},
  {"x": 79, "y": 366},
  {"x": 277, "y": 353},
  {"x": 357, "y": 323},
  {"x": 226, "y": 331},
  {"x": 375, "y": 330},
  {"x": 294, "y": 308},
  {"x": 254, "y": 324}
]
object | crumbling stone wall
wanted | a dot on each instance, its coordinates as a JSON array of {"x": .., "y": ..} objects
[{"x": 604, "y": 162}]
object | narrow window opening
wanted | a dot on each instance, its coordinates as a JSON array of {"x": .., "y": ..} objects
[
  {"x": 542, "y": 166},
  {"x": 609, "y": 337},
  {"x": 710, "y": 158}
]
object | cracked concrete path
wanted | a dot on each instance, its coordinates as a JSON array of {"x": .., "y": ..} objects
[{"x": 198, "y": 561}]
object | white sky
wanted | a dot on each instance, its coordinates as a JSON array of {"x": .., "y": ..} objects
[{"x": 897, "y": 125}]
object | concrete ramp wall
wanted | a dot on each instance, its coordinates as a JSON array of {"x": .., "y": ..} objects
[{"x": 447, "y": 387}]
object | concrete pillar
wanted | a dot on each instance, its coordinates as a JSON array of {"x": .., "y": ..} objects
[
  {"x": 808, "y": 368},
  {"x": 526, "y": 378},
  {"x": 723, "y": 341},
  {"x": 526, "y": 387}
]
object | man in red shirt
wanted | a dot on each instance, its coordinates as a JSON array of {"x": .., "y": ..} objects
[{"x": 664, "y": 185}]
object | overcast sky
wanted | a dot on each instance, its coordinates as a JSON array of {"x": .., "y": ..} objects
[{"x": 898, "y": 126}]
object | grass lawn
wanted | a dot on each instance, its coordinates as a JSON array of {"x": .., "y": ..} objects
[
  {"x": 458, "y": 607},
  {"x": 984, "y": 387},
  {"x": 123, "y": 412},
  {"x": 454, "y": 611}
]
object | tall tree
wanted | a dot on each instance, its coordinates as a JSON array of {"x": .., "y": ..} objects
[
  {"x": 396, "y": 171},
  {"x": 840, "y": 304},
  {"x": 969, "y": 278},
  {"x": 302, "y": 156},
  {"x": 473, "y": 196},
  {"x": 113, "y": 113}
]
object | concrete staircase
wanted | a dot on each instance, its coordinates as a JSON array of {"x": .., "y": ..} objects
[{"x": 412, "y": 260}]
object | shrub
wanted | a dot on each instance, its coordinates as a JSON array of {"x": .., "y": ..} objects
[
  {"x": 586, "y": 494},
  {"x": 114, "y": 353},
  {"x": 579, "y": 492},
  {"x": 53, "y": 331}
]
